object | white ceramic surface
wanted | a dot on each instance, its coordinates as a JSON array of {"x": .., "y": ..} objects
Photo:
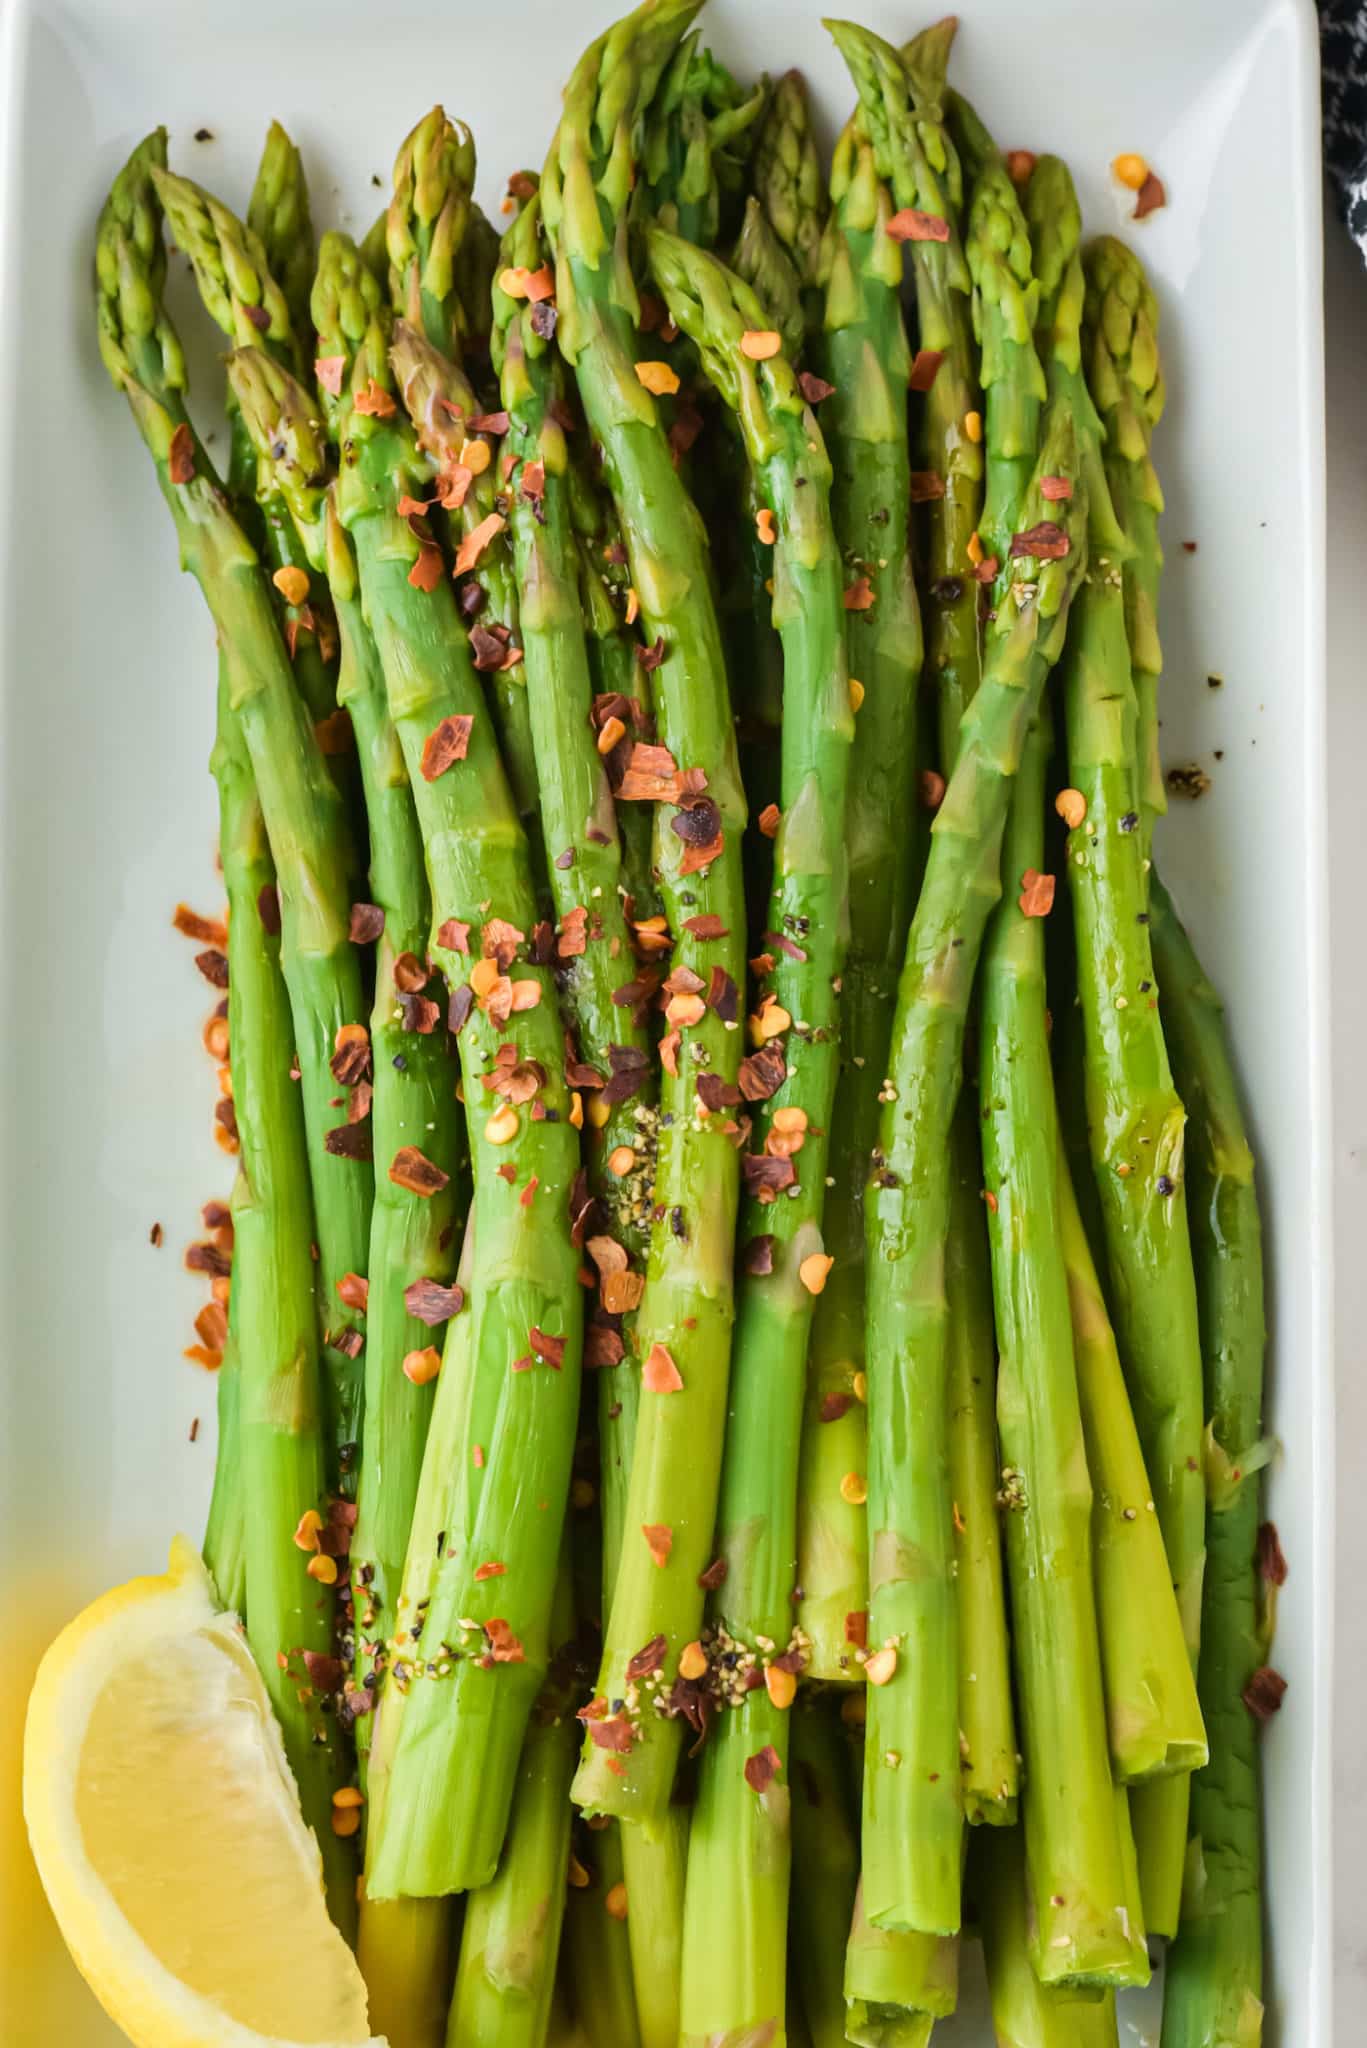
[{"x": 106, "y": 690}]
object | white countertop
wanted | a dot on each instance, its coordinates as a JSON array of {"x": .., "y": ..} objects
[{"x": 1345, "y": 306}]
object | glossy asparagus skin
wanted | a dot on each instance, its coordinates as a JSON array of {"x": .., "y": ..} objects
[
  {"x": 825, "y": 1866},
  {"x": 430, "y": 215},
  {"x": 510, "y": 1940},
  {"x": 278, "y": 215},
  {"x": 913, "y": 1811},
  {"x": 1214, "y": 1984},
  {"x": 896, "y": 1982},
  {"x": 735, "y": 1931},
  {"x": 1134, "y": 1117},
  {"x": 865, "y": 356},
  {"x": 507, "y": 1508},
  {"x": 687, "y": 1307},
  {"x": 1151, "y": 1704},
  {"x": 299, "y": 802},
  {"x": 577, "y": 812},
  {"x": 903, "y": 106},
  {"x": 1126, "y": 377},
  {"x": 1073, "y": 1852},
  {"x": 597, "y": 1940},
  {"x": 1026, "y": 2013},
  {"x": 788, "y": 180}
]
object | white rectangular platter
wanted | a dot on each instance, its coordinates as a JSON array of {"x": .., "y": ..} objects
[{"x": 106, "y": 708}]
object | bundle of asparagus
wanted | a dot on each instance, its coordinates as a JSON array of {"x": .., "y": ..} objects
[{"x": 654, "y": 656}]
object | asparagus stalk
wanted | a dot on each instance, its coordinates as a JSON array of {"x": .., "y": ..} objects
[
  {"x": 1026, "y": 2013},
  {"x": 825, "y": 1867},
  {"x": 577, "y": 812},
  {"x": 694, "y": 145},
  {"x": 302, "y": 806},
  {"x": 867, "y": 360},
  {"x": 597, "y": 1930},
  {"x": 225, "y": 1532},
  {"x": 1073, "y": 1853},
  {"x": 1127, "y": 383},
  {"x": 510, "y": 1941},
  {"x": 787, "y": 179},
  {"x": 1134, "y": 1117},
  {"x": 428, "y": 217},
  {"x": 1151, "y": 1704},
  {"x": 735, "y": 1931},
  {"x": 279, "y": 1439},
  {"x": 913, "y": 1804},
  {"x": 686, "y": 1312},
  {"x": 278, "y": 215},
  {"x": 1214, "y": 1986},
  {"x": 440, "y": 1828}
]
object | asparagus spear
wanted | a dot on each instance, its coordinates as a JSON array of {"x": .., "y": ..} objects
[
  {"x": 427, "y": 220},
  {"x": 903, "y": 108},
  {"x": 597, "y": 1939},
  {"x": 1151, "y": 1704},
  {"x": 279, "y": 1440},
  {"x": 1073, "y": 1853},
  {"x": 440, "y": 1828},
  {"x": 577, "y": 811},
  {"x": 278, "y": 215},
  {"x": 787, "y": 179},
  {"x": 1127, "y": 384},
  {"x": 1134, "y": 1116},
  {"x": 694, "y": 145},
  {"x": 866, "y": 357},
  {"x": 825, "y": 1867},
  {"x": 1026, "y": 2013},
  {"x": 510, "y": 1941},
  {"x": 225, "y": 1533},
  {"x": 687, "y": 1306},
  {"x": 735, "y": 1931},
  {"x": 302, "y": 806},
  {"x": 762, "y": 262},
  {"x": 1214, "y": 1983}
]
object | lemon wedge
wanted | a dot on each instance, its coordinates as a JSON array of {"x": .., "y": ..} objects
[{"x": 167, "y": 1832}]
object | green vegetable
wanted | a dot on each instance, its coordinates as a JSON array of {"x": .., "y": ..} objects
[{"x": 1026, "y": 2013}]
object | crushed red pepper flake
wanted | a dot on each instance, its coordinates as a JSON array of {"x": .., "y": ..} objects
[
  {"x": 648, "y": 1658},
  {"x": 504, "y": 1647},
  {"x": 213, "y": 965},
  {"x": 210, "y": 931},
  {"x": 1271, "y": 1562},
  {"x": 1055, "y": 488},
  {"x": 706, "y": 926},
  {"x": 550, "y": 1350},
  {"x": 349, "y": 1141},
  {"x": 156, "y": 1237},
  {"x": 612, "y": 1733},
  {"x": 475, "y": 542},
  {"x": 926, "y": 486},
  {"x": 834, "y": 1405},
  {"x": 1046, "y": 542},
  {"x": 374, "y": 402},
  {"x": 1037, "y": 893},
  {"x": 447, "y": 743},
  {"x": 351, "y": 1059},
  {"x": 410, "y": 975},
  {"x": 714, "y": 1576},
  {"x": 353, "y": 1290},
  {"x": 603, "y": 1346},
  {"x": 329, "y": 370},
  {"x": 207, "y": 1258},
  {"x": 366, "y": 925},
  {"x": 659, "y": 1541},
  {"x": 859, "y": 596},
  {"x": 411, "y": 1169},
  {"x": 1264, "y": 1693},
  {"x": 762, "y": 1768},
  {"x": 765, "y": 1176},
  {"x": 758, "y": 1256},
  {"x": 857, "y": 1628},
  {"x": 180, "y": 457},
  {"x": 454, "y": 935},
  {"x": 932, "y": 788},
  {"x": 659, "y": 1374},
  {"x": 490, "y": 1571},
  {"x": 714, "y": 1093},
  {"x": 814, "y": 388},
  {"x": 769, "y": 820},
  {"x": 909, "y": 224},
  {"x": 334, "y": 734},
  {"x": 924, "y": 366},
  {"x": 1152, "y": 195},
  {"x": 426, "y": 572}
]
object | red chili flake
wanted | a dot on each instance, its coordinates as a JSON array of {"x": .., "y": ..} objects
[
  {"x": 603, "y": 1346},
  {"x": 210, "y": 931},
  {"x": 180, "y": 458},
  {"x": 722, "y": 996},
  {"x": 411, "y": 1169},
  {"x": 1264, "y": 1692},
  {"x": 349, "y": 1141},
  {"x": 329, "y": 371},
  {"x": 714, "y": 1093},
  {"x": 706, "y": 926},
  {"x": 859, "y": 596},
  {"x": 769, "y": 820},
  {"x": 909, "y": 224},
  {"x": 595, "y": 1709},
  {"x": 833, "y": 1406},
  {"x": 194, "y": 1429},
  {"x": 525, "y": 1198},
  {"x": 1037, "y": 893},
  {"x": 410, "y": 974},
  {"x": 458, "y": 1009},
  {"x": 932, "y": 789},
  {"x": 431, "y": 1302},
  {"x": 926, "y": 485},
  {"x": 207, "y": 1258},
  {"x": 757, "y": 1257},
  {"x": 486, "y": 649},
  {"x": 763, "y": 1767},
  {"x": 652, "y": 657},
  {"x": 648, "y": 1659},
  {"x": 454, "y": 936},
  {"x": 211, "y": 1325},
  {"x": 550, "y": 1350},
  {"x": 714, "y": 1576},
  {"x": 374, "y": 402},
  {"x": 659, "y": 1374},
  {"x": 156, "y": 1237},
  {"x": 782, "y": 944},
  {"x": 762, "y": 1073},
  {"x": 613, "y": 1734},
  {"x": 814, "y": 388},
  {"x": 213, "y": 965},
  {"x": 669, "y": 1052},
  {"x": 353, "y": 1290},
  {"x": 504, "y": 1646},
  {"x": 765, "y": 1177},
  {"x": 490, "y": 1571},
  {"x": 446, "y": 744},
  {"x": 488, "y": 423},
  {"x": 325, "y": 1673},
  {"x": 857, "y": 1628},
  {"x": 924, "y": 367},
  {"x": 1055, "y": 488},
  {"x": 1046, "y": 542},
  {"x": 426, "y": 574},
  {"x": 1151, "y": 196},
  {"x": 659, "y": 1541},
  {"x": 984, "y": 571},
  {"x": 532, "y": 482},
  {"x": 696, "y": 858},
  {"x": 351, "y": 1059},
  {"x": 226, "y": 1115},
  {"x": 1271, "y": 1562},
  {"x": 367, "y": 922}
]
